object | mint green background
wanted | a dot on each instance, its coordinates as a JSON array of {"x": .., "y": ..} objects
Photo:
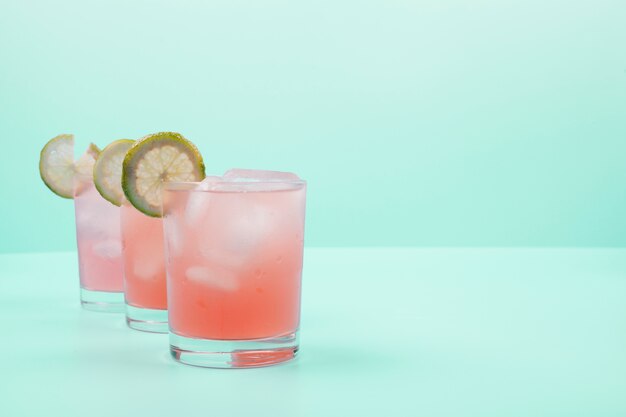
[
  {"x": 425, "y": 123},
  {"x": 441, "y": 332}
]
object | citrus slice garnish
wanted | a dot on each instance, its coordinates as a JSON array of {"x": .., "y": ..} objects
[
  {"x": 57, "y": 167},
  {"x": 107, "y": 171},
  {"x": 153, "y": 160},
  {"x": 84, "y": 165}
]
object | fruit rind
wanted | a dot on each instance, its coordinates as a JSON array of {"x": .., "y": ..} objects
[
  {"x": 111, "y": 150},
  {"x": 140, "y": 149}
]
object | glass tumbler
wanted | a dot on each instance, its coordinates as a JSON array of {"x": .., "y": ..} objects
[
  {"x": 99, "y": 248},
  {"x": 144, "y": 270},
  {"x": 234, "y": 266}
]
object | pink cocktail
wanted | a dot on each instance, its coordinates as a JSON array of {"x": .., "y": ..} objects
[
  {"x": 234, "y": 262},
  {"x": 99, "y": 248},
  {"x": 144, "y": 270}
]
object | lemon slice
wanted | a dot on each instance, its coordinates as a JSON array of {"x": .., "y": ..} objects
[
  {"x": 153, "y": 160},
  {"x": 107, "y": 171},
  {"x": 57, "y": 167}
]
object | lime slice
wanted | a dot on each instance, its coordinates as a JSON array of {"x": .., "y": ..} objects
[
  {"x": 154, "y": 159},
  {"x": 83, "y": 170},
  {"x": 107, "y": 171},
  {"x": 56, "y": 165},
  {"x": 84, "y": 165}
]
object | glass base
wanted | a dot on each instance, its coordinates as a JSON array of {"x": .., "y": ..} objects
[
  {"x": 251, "y": 353},
  {"x": 146, "y": 319},
  {"x": 102, "y": 301}
]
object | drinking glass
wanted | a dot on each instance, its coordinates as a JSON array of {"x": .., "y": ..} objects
[
  {"x": 234, "y": 265},
  {"x": 144, "y": 270},
  {"x": 99, "y": 248}
]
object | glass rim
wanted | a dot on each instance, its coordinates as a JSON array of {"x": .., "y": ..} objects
[{"x": 192, "y": 186}]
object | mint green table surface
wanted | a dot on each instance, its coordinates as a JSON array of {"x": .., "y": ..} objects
[{"x": 407, "y": 332}]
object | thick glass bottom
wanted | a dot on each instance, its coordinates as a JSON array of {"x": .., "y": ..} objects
[
  {"x": 146, "y": 319},
  {"x": 102, "y": 301},
  {"x": 234, "y": 353}
]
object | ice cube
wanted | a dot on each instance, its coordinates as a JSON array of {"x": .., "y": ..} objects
[
  {"x": 84, "y": 165},
  {"x": 245, "y": 231},
  {"x": 224, "y": 258},
  {"x": 85, "y": 218},
  {"x": 252, "y": 175},
  {"x": 215, "y": 277},
  {"x": 149, "y": 268},
  {"x": 198, "y": 202},
  {"x": 108, "y": 249}
]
